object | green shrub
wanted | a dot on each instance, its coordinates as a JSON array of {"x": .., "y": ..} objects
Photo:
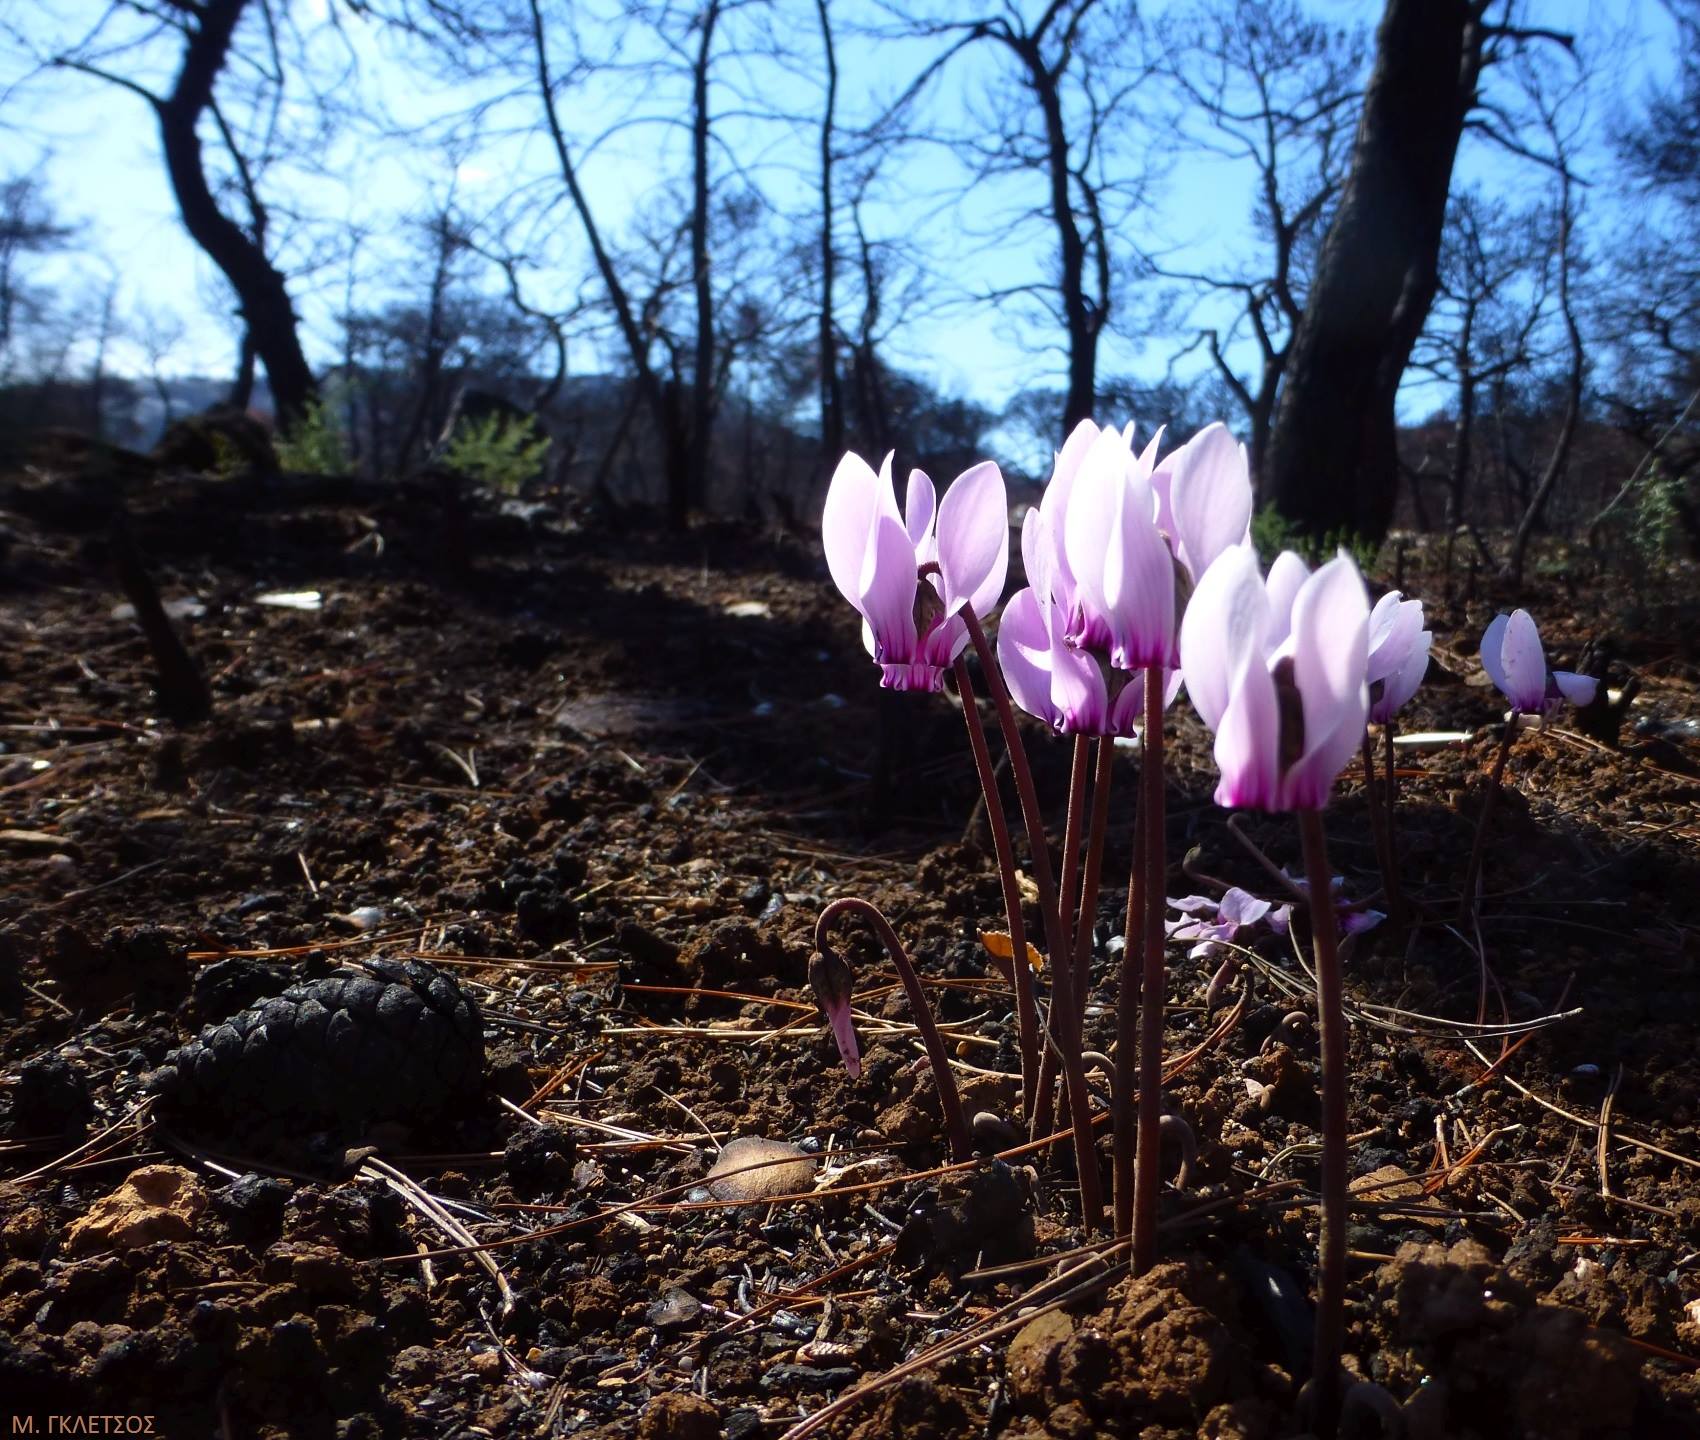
[
  {"x": 1656, "y": 531},
  {"x": 314, "y": 445},
  {"x": 1272, "y": 532},
  {"x": 498, "y": 451}
]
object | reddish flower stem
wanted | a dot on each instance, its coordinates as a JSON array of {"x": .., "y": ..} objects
[
  {"x": 949, "y": 1101},
  {"x": 1127, "y": 1033},
  {"x": 1026, "y": 1012},
  {"x": 1378, "y": 825},
  {"x": 1148, "y": 1148},
  {"x": 1390, "y": 792},
  {"x": 1062, "y": 989},
  {"x": 1331, "y": 1025},
  {"x": 1472, "y": 872},
  {"x": 1086, "y": 919},
  {"x": 1078, "y": 770},
  {"x": 1045, "y": 1099}
]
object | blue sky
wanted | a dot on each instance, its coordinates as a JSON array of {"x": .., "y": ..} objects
[{"x": 96, "y": 150}]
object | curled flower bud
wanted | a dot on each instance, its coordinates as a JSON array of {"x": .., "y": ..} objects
[{"x": 831, "y": 979}]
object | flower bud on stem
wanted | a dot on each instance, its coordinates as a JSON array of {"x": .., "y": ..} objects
[{"x": 949, "y": 1101}]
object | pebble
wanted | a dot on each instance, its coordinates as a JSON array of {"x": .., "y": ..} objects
[
  {"x": 675, "y": 1310},
  {"x": 156, "y": 1202}
]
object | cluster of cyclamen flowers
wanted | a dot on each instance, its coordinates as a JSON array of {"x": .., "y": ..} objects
[{"x": 1141, "y": 577}]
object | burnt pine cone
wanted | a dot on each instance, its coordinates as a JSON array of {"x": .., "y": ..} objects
[{"x": 392, "y": 1040}]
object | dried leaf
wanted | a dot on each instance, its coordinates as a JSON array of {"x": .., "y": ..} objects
[{"x": 1000, "y": 947}]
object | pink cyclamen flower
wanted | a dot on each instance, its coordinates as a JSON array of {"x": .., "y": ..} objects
[
  {"x": 1070, "y": 690},
  {"x": 1050, "y": 673},
  {"x": 1353, "y": 916},
  {"x": 1398, "y": 655},
  {"x": 1276, "y": 668},
  {"x": 1123, "y": 571},
  {"x": 915, "y": 632},
  {"x": 1515, "y": 661},
  {"x": 1215, "y": 923},
  {"x": 1204, "y": 499},
  {"x": 1109, "y": 553}
]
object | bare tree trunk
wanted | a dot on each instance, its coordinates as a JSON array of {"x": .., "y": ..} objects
[
  {"x": 431, "y": 368},
  {"x": 867, "y": 391},
  {"x": 242, "y": 385},
  {"x": 669, "y": 422},
  {"x": 703, "y": 395},
  {"x": 831, "y": 393},
  {"x": 1333, "y": 462},
  {"x": 1458, "y": 477},
  {"x": 1560, "y": 457},
  {"x": 1081, "y": 318},
  {"x": 182, "y": 689},
  {"x": 260, "y": 289},
  {"x": 97, "y": 373}
]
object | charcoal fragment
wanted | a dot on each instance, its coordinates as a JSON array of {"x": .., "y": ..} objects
[{"x": 51, "y": 1097}]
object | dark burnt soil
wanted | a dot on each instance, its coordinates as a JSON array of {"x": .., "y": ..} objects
[{"x": 606, "y": 779}]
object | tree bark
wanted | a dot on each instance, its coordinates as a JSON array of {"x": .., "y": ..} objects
[
  {"x": 182, "y": 689},
  {"x": 1081, "y": 318},
  {"x": 1333, "y": 460},
  {"x": 703, "y": 396},
  {"x": 1463, "y": 433},
  {"x": 260, "y": 289},
  {"x": 831, "y": 391},
  {"x": 1560, "y": 457},
  {"x": 660, "y": 398}
]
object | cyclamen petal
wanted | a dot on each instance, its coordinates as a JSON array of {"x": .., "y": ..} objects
[
  {"x": 1577, "y": 689},
  {"x": 1403, "y": 683},
  {"x": 1024, "y": 656},
  {"x": 1222, "y": 627},
  {"x": 1329, "y": 634},
  {"x": 1287, "y": 573},
  {"x": 1081, "y": 697},
  {"x": 1393, "y": 628},
  {"x": 1054, "y": 506},
  {"x": 1123, "y": 572},
  {"x": 853, "y": 499},
  {"x": 920, "y": 505},
  {"x": 1211, "y": 497},
  {"x": 1493, "y": 652},
  {"x": 1248, "y": 745},
  {"x": 973, "y": 540},
  {"x": 885, "y": 591},
  {"x": 1524, "y": 662},
  {"x": 1241, "y": 907}
]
